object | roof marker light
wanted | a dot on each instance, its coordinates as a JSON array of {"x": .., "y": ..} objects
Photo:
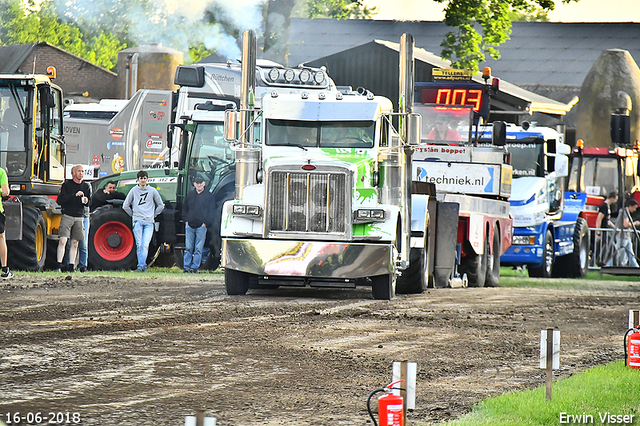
[
  {"x": 289, "y": 74},
  {"x": 304, "y": 76},
  {"x": 274, "y": 74}
]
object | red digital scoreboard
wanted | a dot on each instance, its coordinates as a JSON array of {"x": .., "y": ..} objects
[{"x": 453, "y": 94}]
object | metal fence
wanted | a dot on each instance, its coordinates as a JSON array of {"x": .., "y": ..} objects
[{"x": 614, "y": 247}]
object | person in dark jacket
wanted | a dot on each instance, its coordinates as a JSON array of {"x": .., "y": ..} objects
[
  {"x": 73, "y": 197},
  {"x": 196, "y": 213},
  {"x": 106, "y": 194}
]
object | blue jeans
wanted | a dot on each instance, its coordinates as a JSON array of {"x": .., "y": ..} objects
[
  {"x": 194, "y": 243},
  {"x": 143, "y": 232}
]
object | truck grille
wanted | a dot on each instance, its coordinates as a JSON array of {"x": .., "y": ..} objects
[{"x": 308, "y": 202}]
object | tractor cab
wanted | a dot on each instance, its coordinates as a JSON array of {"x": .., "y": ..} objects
[{"x": 31, "y": 134}]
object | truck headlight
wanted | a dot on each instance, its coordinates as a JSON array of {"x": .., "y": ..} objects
[
  {"x": 523, "y": 239},
  {"x": 368, "y": 215},
  {"x": 245, "y": 210}
]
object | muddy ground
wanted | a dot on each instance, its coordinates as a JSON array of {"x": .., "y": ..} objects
[{"x": 151, "y": 350}]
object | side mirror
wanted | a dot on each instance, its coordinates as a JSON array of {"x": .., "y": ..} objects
[
  {"x": 561, "y": 165},
  {"x": 414, "y": 129},
  {"x": 563, "y": 148},
  {"x": 499, "y": 133},
  {"x": 230, "y": 125}
]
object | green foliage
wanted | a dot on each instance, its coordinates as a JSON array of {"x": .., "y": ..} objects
[
  {"x": 611, "y": 388},
  {"x": 20, "y": 25},
  {"x": 339, "y": 9},
  {"x": 483, "y": 25}
]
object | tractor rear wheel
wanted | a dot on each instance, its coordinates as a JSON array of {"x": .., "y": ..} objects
[
  {"x": 112, "y": 245},
  {"x": 29, "y": 254}
]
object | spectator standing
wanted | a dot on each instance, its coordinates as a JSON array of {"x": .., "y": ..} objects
[
  {"x": 4, "y": 185},
  {"x": 624, "y": 254},
  {"x": 73, "y": 197},
  {"x": 196, "y": 214},
  {"x": 604, "y": 211},
  {"x": 106, "y": 194},
  {"x": 143, "y": 204}
]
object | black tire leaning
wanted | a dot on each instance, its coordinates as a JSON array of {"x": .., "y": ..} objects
[
  {"x": 383, "y": 287},
  {"x": 546, "y": 268},
  {"x": 30, "y": 253},
  {"x": 415, "y": 279},
  {"x": 112, "y": 245},
  {"x": 575, "y": 264},
  {"x": 236, "y": 282},
  {"x": 475, "y": 266},
  {"x": 493, "y": 268}
]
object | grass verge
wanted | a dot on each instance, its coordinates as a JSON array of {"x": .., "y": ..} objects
[{"x": 591, "y": 396}]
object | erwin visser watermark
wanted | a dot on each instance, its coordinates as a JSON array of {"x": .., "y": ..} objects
[{"x": 600, "y": 418}]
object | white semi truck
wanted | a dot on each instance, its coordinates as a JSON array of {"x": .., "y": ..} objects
[{"x": 325, "y": 194}]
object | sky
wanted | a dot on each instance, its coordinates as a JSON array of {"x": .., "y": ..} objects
[{"x": 583, "y": 11}]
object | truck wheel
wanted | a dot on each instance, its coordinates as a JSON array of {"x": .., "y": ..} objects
[
  {"x": 112, "y": 245},
  {"x": 576, "y": 264},
  {"x": 383, "y": 287},
  {"x": 236, "y": 282},
  {"x": 475, "y": 266},
  {"x": 415, "y": 279},
  {"x": 493, "y": 267},
  {"x": 544, "y": 270},
  {"x": 29, "y": 254}
]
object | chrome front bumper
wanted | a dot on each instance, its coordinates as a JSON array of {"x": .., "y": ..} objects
[{"x": 317, "y": 259}]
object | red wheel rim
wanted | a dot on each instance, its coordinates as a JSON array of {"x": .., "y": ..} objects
[{"x": 114, "y": 231}]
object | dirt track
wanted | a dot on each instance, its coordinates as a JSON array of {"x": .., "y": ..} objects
[{"x": 150, "y": 351}]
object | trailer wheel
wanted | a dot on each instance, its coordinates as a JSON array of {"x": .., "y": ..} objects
[
  {"x": 493, "y": 267},
  {"x": 415, "y": 279},
  {"x": 383, "y": 287},
  {"x": 112, "y": 245},
  {"x": 30, "y": 253},
  {"x": 576, "y": 264},
  {"x": 544, "y": 270},
  {"x": 236, "y": 282}
]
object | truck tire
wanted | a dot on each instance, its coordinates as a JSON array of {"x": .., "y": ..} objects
[
  {"x": 236, "y": 282},
  {"x": 475, "y": 266},
  {"x": 383, "y": 287},
  {"x": 493, "y": 267},
  {"x": 415, "y": 279},
  {"x": 112, "y": 245},
  {"x": 30, "y": 253},
  {"x": 576, "y": 264},
  {"x": 545, "y": 269}
]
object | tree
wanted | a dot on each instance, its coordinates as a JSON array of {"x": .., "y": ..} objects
[
  {"x": 23, "y": 25},
  {"x": 466, "y": 46},
  {"x": 339, "y": 9}
]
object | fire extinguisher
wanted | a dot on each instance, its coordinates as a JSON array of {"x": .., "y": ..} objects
[
  {"x": 632, "y": 347},
  {"x": 390, "y": 407}
]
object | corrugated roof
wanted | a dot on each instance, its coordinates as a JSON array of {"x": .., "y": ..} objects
[
  {"x": 546, "y": 53},
  {"x": 12, "y": 56}
]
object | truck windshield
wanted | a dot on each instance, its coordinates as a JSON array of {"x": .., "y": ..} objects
[
  {"x": 210, "y": 154},
  {"x": 341, "y": 134},
  {"x": 444, "y": 124},
  {"x": 598, "y": 176},
  {"x": 525, "y": 158},
  {"x": 13, "y": 101}
]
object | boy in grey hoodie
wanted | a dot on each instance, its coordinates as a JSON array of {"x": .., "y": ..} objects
[{"x": 143, "y": 204}]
